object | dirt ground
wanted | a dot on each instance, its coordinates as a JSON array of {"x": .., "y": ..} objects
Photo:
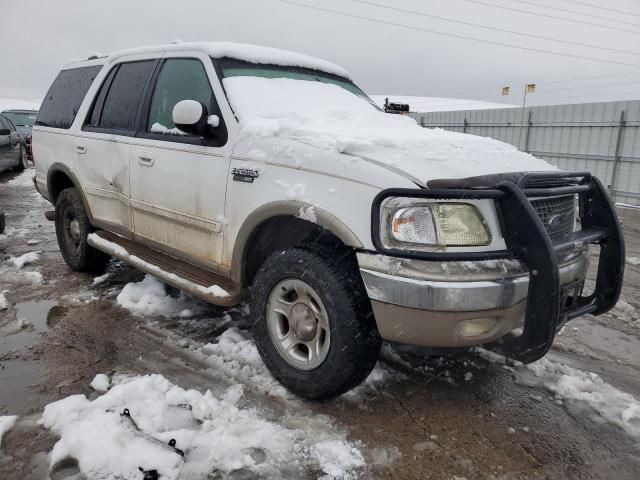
[{"x": 435, "y": 419}]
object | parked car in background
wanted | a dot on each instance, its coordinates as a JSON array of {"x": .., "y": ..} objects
[
  {"x": 23, "y": 120},
  {"x": 12, "y": 148}
]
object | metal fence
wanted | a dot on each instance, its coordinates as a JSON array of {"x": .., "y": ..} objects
[{"x": 602, "y": 138}]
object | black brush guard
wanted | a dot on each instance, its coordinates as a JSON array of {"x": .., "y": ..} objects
[{"x": 548, "y": 306}]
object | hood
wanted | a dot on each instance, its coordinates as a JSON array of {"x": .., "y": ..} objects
[
  {"x": 330, "y": 117},
  {"x": 399, "y": 144}
]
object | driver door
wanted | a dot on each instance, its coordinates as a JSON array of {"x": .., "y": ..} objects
[{"x": 178, "y": 181}]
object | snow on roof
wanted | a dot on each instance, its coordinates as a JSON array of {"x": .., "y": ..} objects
[
  {"x": 241, "y": 51},
  {"x": 439, "y": 104},
  {"x": 18, "y": 104}
]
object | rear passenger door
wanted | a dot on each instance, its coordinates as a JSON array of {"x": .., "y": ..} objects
[
  {"x": 102, "y": 149},
  {"x": 178, "y": 181}
]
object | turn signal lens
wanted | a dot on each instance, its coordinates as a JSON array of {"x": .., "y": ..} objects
[{"x": 414, "y": 225}]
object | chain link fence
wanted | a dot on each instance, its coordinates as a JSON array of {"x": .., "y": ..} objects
[{"x": 602, "y": 138}]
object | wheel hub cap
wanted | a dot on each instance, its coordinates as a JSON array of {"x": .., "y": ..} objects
[
  {"x": 303, "y": 322},
  {"x": 298, "y": 324},
  {"x": 74, "y": 230}
]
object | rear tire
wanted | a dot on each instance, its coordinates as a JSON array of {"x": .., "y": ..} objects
[
  {"x": 336, "y": 318},
  {"x": 72, "y": 229}
]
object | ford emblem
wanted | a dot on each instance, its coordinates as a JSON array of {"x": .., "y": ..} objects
[{"x": 555, "y": 222}]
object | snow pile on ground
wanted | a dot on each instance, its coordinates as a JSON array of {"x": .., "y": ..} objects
[
  {"x": 216, "y": 434},
  {"x": 26, "y": 259},
  {"x": 149, "y": 297},
  {"x": 235, "y": 354},
  {"x": 625, "y": 312},
  {"x": 101, "y": 383},
  {"x": 11, "y": 275},
  {"x": 4, "y": 303},
  {"x": 329, "y": 117},
  {"x": 567, "y": 383},
  {"x": 635, "y": 261},
  {"x": 6, "y": 423}
]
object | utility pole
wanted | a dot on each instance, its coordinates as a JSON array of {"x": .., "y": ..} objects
[{"x": 528, "y": 88}]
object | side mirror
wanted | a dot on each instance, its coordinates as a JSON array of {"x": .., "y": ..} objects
[
  {"x": 5, "y": 131},
  {"x": 192, "y": 117}
]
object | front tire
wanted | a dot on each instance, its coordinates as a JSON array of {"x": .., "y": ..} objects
[
  {"x": 312, "y": 321},
  {"x": 72, "y": 230}
]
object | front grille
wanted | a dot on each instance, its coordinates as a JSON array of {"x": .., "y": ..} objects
[{"x": 557, "y": 214}]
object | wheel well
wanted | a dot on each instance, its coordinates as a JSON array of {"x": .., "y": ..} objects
[
  {"x": 278, "y": 233},
  {"x": 58, "y": 181}
]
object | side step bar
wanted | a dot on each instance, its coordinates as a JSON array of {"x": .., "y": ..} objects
[{"x": 196, "y": 281}]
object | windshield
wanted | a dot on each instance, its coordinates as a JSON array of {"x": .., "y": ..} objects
[
  {"x": 273, "y": 90},
  {"x": 22, "y": 119}
]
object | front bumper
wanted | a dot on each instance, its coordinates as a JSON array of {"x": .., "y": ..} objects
[
  {"x": 418, "y": 306},
  {"x": 539, "y": 289}
]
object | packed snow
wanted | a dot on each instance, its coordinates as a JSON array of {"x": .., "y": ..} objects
[
  {"x": 571, "y": 384},
  {"x": 217, "y": 434},
  {"x": 26, "y": 259},
  {"x": 159, "y": 128},
  {"x": 6, "y": 423},
  {"x": 328, "y": 117},
  {"x": 149, "y": 297},
  {"x": 635, "y": 261},
  {"x": 4, "y": 303},
  {"x": 100, "y": 383}
]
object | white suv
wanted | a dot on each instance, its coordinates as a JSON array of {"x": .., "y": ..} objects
[{"x": 234, "y": 171}]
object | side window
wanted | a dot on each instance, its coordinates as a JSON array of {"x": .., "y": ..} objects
[
  {"x": 96, "y": 109},
  {"x": 3, "y": 123},
  {"x": 124, "y": 94},
  {"x": 182, "y": 79},
  {"x": 65, "y": 96}
]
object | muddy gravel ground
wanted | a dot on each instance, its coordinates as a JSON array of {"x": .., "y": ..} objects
[{"x": 470, "y": 417}]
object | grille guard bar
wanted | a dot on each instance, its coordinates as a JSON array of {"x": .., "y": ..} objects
[{"x": 527, "y": 240}]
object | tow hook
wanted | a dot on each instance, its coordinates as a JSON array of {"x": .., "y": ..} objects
[{"x": 50, "y": 215}]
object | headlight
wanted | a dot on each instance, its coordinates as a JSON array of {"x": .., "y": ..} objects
[{"x": 412, "y": 222}]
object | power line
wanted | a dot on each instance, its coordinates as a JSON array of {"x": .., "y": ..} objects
[
  {"x": 617, "y": 29},
  {"x": 453, "y": 35},
  {"x": 590, "y": 86},
  {"x": 603, "y": 8},
  {"x": 496, "y": 29},
  {"x": 635, "y": 92},
  {"x": 594, "y": 78},
  {"x": 526, "y": 2}
]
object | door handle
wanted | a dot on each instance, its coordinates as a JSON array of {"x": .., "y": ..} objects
[
  {"x": 81, "y": 149},
  {"x": 146, "y": 161}
]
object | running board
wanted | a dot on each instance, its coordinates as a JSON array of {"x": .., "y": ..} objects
[{"x": 196, "y": 281}]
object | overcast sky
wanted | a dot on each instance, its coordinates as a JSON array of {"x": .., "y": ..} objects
[{"x": 38, "y": 36}]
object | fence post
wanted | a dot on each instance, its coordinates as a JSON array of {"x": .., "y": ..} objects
[
  {"x": 617, "y": 156},
  {"x": 465, "y": 125},
  {"x": 526, "y": 135}
]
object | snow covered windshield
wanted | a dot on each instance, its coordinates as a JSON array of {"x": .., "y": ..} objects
[{"x": 274, "y": 90}]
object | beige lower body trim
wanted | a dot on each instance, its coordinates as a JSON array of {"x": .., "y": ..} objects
[{"x": 440, "y": 329}]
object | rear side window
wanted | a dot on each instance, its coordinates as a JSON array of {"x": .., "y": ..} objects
[
  {"x": 120, "y": 96},
  {"x": 65, "y": 96},
  {"x": 4, "y": 123}
]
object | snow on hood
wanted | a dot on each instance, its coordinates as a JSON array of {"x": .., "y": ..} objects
[{"x": 329, "y": 117}]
